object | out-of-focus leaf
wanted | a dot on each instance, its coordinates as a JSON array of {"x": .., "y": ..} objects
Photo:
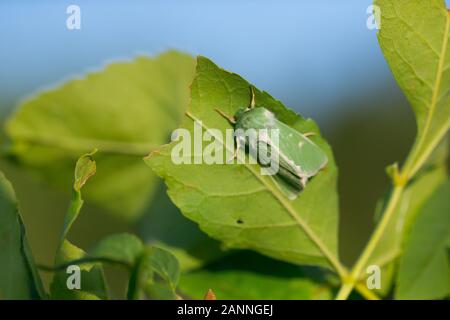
[
  {"x": 125, "y": 111},
  {"x": 414, "y": 37},
  {"x": 250, "y": 276},
  {"x": 237, "y": 205},
  {"x": 415, "y": 196},
  {"x": 424, "y": 271},
  {"x": 152, "y": 269},
  {"x": 120, "y": 248},
  {"x": 19, "y": 278},
  {"x": 93, "y": 285},
  {"x": 84, "y": 169},
  {"x": 163, "y": 264},
  {"x": 92, "y": 282},
  {"x": 164, "y": 226},
  {"x": 125, "y": 250}
]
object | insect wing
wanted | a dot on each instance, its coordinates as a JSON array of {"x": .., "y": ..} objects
[
  {"x": 287, "y": 177},
  {"x": 306, "y": 156}
]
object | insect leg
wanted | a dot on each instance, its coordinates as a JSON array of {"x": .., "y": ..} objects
[
  {"x": 252, "y": 101},
  {"x": 235, "y": 154},
  {"x": 309, "y": 134}
]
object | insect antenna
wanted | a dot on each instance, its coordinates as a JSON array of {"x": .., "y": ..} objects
[{"x": 232, "y": 120}]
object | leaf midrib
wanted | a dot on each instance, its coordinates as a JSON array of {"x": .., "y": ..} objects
[
  {"x": 280, "y": 198},
  {"x": 433, "y": 103}
]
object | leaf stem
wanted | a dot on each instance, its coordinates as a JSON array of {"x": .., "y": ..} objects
[
  {"x": 348, "y": 285},
  {"x": 417, "y": 158},
  {"x": 137, "y": 279},
  {"x": 366, "y": 293}
]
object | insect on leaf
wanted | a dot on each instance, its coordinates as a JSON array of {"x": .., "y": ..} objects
[{"x": 234, "y": 203}]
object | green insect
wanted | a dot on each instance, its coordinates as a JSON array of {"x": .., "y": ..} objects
[{"x": 299, "y": 159}]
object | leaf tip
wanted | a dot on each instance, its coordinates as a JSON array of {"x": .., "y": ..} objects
[{"x": 84, "y": 169}]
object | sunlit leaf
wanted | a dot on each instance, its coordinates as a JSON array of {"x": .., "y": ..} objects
[
  {"x": 237, "y": 205},
  {"x": 414, "y": 37}
]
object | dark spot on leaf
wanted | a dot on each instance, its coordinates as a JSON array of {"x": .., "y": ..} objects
[{"x": 239, "y": 221}]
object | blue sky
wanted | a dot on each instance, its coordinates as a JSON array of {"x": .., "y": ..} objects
[{"x": 312, "y": 55}]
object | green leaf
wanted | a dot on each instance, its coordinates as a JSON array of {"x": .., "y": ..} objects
[
  {"x": 84, "y": 169},
  {"x": 414, "y": 38},
  {"x": 416, "y": 194},
  {"x": 124, "y": 250},
  {"x": 120, "y": 248},
  {"x": 424, "y": 271},
  {"x": 165, "y": 227},
  {"x": 93, "y": 284},
  {"x": 152, "y": 269},
  {"x": 125, "y": 111},
  {"x": 162, "y": 263},
  {"x": 19, "y": 278},
  {"x": 237, "y": 205},
  {"x": 250, "y": 276}
]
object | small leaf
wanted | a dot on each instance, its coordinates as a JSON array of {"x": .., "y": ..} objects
[
  {"x": 414, "y": 37},
  {"x": 84, "y": 169},
  {"x": 93, "y": 284},
  {"x": 19, "y": 278},
  {"x": 125, "y": 250},
  {"x": 424, "y": 271},
  {"x": 143, "y": 263},
  {"x": 234, "y": 203},
  {"x": 165, "y": 227},
  {"x": 120, "y": 248},
  {"x": 125, "y": 110},
  {"x": 166, "y": 266}
]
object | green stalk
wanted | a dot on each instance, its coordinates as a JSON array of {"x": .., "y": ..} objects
[{"x": 348, "y": 285}]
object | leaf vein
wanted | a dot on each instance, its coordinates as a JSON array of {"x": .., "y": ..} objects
[{"x": 291, "y": 211}]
